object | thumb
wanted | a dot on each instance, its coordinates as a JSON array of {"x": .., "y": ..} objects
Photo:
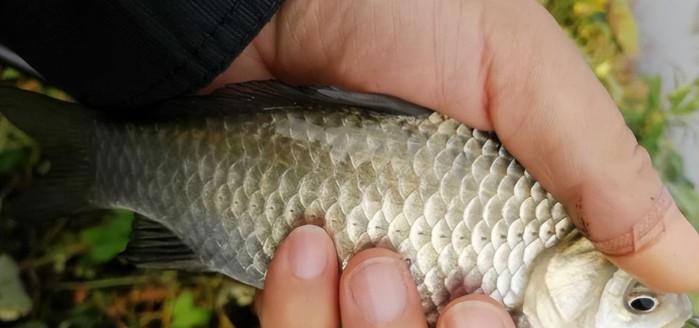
[{"x": 474, "y": 310}]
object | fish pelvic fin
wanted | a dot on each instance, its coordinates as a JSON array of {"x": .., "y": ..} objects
[
  {"x": 155, "y": 246},
  {"x": 63, "y": 131}
]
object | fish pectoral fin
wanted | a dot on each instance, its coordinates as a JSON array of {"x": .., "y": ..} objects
[{"x": 155, "y": 246}]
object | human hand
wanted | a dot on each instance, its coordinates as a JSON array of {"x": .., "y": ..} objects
[
  {"x": 303, "y": 289},
  {"x": 496, "y": 65}
]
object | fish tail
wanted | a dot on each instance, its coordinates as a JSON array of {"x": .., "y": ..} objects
[{"x": 63, "y": 131}]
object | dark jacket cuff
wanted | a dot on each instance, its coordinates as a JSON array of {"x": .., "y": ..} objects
[{"x": 125, "y": 54}]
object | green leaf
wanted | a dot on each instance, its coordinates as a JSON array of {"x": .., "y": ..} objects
[
  {"x": 188, "y": 315},
  {"x": 11, "y": 159},
  {"x": 677, "y": 96},
  {"x": 653, "y": 132},
  {"x": 85, "y": 316},
  {"x": 654, "y": 94},
  {"x": 623, "y": 24},
  {"x": 685, "y": 100},
  {"x": 14, "y": 301},
  {"x": 108, "y": 239},
  {"x": 9, "y": 73},
  {"x": 56, "y": 93},
  {"x": 687, "y": 200}
]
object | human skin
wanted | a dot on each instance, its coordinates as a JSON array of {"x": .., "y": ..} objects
[
  {"x": 501, "y": 65},
  {"x": 304, "y": 289}
]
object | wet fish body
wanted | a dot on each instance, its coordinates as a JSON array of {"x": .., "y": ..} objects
[
  {"x": 229, "y": 176},
  {"x": 232, "y": 189}
]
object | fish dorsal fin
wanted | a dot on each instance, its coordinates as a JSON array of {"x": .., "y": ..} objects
[
  {"x": 153, "y": 245},
  {"x": 271, "y": 94}
]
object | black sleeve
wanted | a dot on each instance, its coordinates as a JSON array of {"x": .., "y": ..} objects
[{"x": 131, "y": 53}]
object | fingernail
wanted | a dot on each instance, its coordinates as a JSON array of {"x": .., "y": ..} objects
[
  {"x": 307, "y": 251},
  {"x": 472, "y": 314},
  {"x": 379, "y": 290}
]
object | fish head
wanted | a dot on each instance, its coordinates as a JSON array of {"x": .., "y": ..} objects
[
  {"x": 574, "y": 285},
  {"x": 625, "y": 302}
]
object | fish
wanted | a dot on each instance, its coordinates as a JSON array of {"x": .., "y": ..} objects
[{"x": 218, "y": 181}]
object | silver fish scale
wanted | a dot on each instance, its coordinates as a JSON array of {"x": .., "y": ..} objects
[{"x": 451, "y": 200}]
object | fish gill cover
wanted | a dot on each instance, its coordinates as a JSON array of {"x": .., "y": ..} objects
[{"x": 70, "y": 270}]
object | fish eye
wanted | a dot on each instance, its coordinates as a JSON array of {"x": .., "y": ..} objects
[
  {"x": 642, "y": 303},
  {"x": 639, "y": 299}
]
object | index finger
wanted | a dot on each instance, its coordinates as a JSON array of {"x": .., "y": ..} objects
[{"x": 555, "y": 117}]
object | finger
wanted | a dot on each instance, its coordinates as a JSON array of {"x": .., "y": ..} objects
[
  {"x": 478, "y": 66},
  {"x": 552, "y": 114},
  {"x": 377, "y": 290},
  {"x": 473, "y": 311},
  {"x": 248, "y": 66},
  {"x": 301, "y": 284},
  {"x": 548, "y": 109}
]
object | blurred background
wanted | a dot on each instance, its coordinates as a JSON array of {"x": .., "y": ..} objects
[
  {"x": 669, "y": 49},
  {"x": 68, "y": 273}
]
